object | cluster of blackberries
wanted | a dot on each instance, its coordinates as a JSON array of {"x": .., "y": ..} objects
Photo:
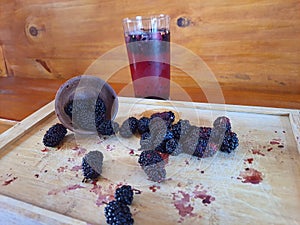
[
  {"x": 117, "y": 211},
  {"x": 54, "y": 135},
  {"x": 89, "y": 113},
  {"x": 92, "y": 165},
  {"x": 160, "y": 135}
]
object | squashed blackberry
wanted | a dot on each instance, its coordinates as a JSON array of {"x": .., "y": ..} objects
[
  {"x": 54, "y": 135},
  {"x": 118, "y": 213},
  {"x": 107, "y": 127},
  {"x": 230, "y": 142},
  {"x": 124, "y": 194},
  {"x": 143, "y": 125},
  {"x": 92, "y": 165},
  {"x": 129, "y": 127}
]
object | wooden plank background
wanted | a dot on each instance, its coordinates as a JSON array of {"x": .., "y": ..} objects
[{"x": 249, "y": 45}]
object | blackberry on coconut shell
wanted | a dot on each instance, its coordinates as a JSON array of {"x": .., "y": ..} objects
[
  {"x": 92, "y": 165},
  {"x": 54, "y": 135}
]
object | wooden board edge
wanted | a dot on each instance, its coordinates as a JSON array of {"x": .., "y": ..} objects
[
  {"x": 21, "y": 128},
  {"x": 295, "y": 123},
  {"x": 8, "y": 122},
  {"x": 13, "y": 211},
  {"x": 212, "y": 106}
]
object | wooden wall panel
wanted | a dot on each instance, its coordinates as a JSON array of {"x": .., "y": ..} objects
[{"x": 248, "y": 44}]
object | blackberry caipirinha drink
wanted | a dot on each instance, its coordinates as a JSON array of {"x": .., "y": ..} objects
[{"x": 148, "y": 48}]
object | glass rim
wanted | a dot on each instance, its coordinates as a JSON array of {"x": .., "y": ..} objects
[{"x": 145, "y": 18}]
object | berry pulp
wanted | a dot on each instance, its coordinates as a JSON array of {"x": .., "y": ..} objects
[{"x": 149, "y": 57}]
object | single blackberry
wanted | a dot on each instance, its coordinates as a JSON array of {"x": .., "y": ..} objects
[
  {"x": 118, "y": 213},
  {"x": 178, "y": 150},
  {"x": 168, "y": 117},
  {"x": 92, "y": 165},
  {"x": 181, "y": 128},
  {"x": 204, "y": 132},
  {"x": 200, "y": 148},
  {"x": 190, "y": 142},
  {"x": 149, "y": 157},
  {"x": 129, "y": 127},
  {"x": 146, "y": 141},
  {"x": 124, "y": 194},
  {"x": 171, "y": 146},
  {"x": 100, "y": 108},
  {"x": 69, "y": 108},
  {"x": 107, "y": 127},
  {"x": 230, "y": 142},
  {"x": 155, "y": 172},
  {"x": 54, "y": 135},
  {"x": 222, "y": 123},
  {"x": 143, "y": 125}
]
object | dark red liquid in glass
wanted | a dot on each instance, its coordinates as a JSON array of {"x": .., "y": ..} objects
[{"x": 149, "y": 58}]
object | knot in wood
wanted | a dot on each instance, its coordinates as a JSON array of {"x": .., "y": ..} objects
[{"x": 33, "y": 31}]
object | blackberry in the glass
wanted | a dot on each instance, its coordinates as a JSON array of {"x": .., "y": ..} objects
[
  {"x": 129, "y": 127},
  {"x": 107, "y": 127},
  {"x": 124, "y": 194},
  {"x": 118, "y": 213},
  {"x": 230, "y": 142},
  {"x": 143, "y": 125},
  {"x": 92, "y": 165},
  {"x": 54, "y": 135}
]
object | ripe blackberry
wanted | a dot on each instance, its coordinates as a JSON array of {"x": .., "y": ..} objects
[
  {"x": 178, "y": 150},
  {"x": 129, "y": 127},
  {"x": 92, "y": 165},
  {"x": 153, "y": 165},
  {"x": 69, "y": 108},
  {"x": 54, "y": 135},
  {"x": 181, "y": 128},
  {"x": 190, "y": 142},
  {"x": 124, "y": 194},
  {"x": 118, "y": 213},
  {"x": 107, "y": 127},
  {"x": 143, "y": 125},
  {"x": 155, "y": 172},
  {"x": 168, "y": 117},
  {"x": 149, "y": 157},
  {"x": 146, "y": 141},
  {"x": 86, "y": 113},
  {"x": 222, "y": 123},
  {"x": 171, "y": 146},
  {"x": 230, "y": 142}
]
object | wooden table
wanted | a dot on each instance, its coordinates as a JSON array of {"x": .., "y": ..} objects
[{"x": 20, "y": 97}]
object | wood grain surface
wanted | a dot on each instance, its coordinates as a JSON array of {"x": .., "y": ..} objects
[
  {"x": 250, "y": 46},
  {"x": 214, "y": 190}
]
